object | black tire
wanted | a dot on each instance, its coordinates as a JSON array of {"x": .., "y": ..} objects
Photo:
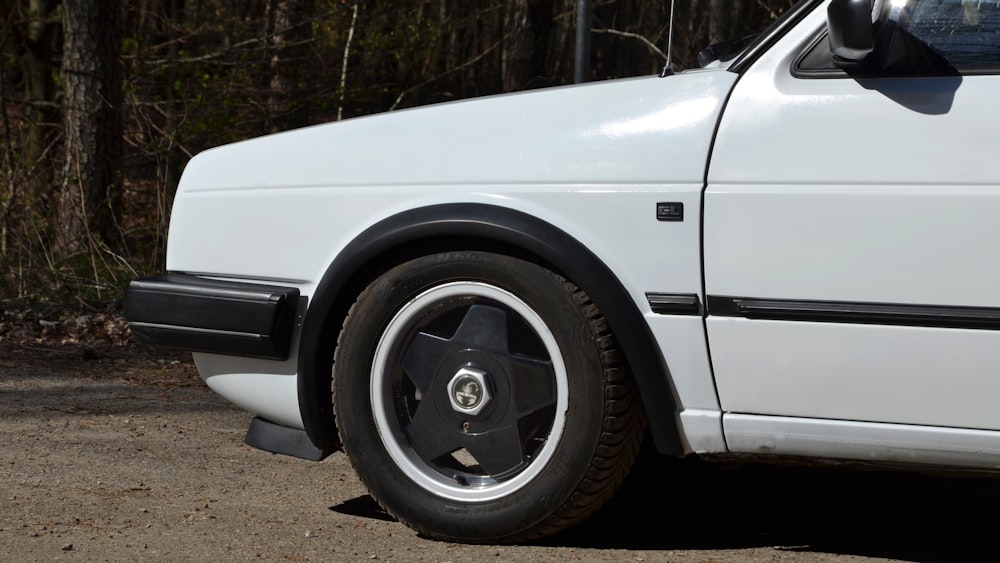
[{"x": 548, "y": 442}]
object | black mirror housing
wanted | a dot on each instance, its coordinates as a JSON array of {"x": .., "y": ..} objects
[{"x": 851, "y": 31}]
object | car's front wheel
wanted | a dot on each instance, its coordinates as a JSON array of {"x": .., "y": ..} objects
[{"x": 482, "y": 398}]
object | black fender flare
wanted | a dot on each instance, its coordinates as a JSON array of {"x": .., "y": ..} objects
[{"x": 466, "y": 226}]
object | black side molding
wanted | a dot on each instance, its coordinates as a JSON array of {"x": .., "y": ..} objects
[
  {"x": 183, "y": 312},
  {"x": 935, "y": 316},
  {"x": 283, "y": 440},
  {"x": 674, "y": 303}
]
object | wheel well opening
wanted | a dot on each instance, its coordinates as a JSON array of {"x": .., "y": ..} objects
[{"x": 334, "y": 300}]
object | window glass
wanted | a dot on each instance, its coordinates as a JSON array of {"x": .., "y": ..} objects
[
  {"x": 963, "y": 34},
  {"x": 922, "y": 37}
]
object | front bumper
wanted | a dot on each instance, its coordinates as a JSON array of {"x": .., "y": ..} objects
[{"x": 184, "y": 312}]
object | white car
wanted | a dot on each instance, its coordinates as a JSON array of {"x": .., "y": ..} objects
[{"x": 488, "y": 304}]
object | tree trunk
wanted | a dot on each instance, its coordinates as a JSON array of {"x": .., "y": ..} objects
[
  {"x": 90, "y": 198},
  {"x": 40, "y": 85},
  {"x": 172, "y": 14},
  {"x": 291, "y": 30},
  {"x": 525, "y": 53}
]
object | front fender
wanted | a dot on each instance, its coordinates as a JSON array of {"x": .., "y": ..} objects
[{"x": 473, "y": 227}]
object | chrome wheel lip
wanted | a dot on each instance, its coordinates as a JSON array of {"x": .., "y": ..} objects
[{"x": 391, "y": 436}]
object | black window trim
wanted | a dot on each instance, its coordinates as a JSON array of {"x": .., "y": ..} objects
[{"x": 772, "y": 34}]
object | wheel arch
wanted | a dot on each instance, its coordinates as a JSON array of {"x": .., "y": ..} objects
[{"x": 463, "y": 226}]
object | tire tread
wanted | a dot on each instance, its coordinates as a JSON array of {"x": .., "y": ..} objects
[{"x": 623, "y": 430}]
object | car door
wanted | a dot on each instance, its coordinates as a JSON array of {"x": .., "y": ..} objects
[{"x": 852, "y": 225}]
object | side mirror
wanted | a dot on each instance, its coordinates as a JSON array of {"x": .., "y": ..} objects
[{"x": 851, "y": 31}]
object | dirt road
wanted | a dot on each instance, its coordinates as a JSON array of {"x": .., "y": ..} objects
[{"x": 129, "y": 457}]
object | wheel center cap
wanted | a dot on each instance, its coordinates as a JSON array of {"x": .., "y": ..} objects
[{"x": 468, "y": 391}]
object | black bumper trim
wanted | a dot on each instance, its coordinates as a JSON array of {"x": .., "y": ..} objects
[
  {"x": 183, "y": 312},
  {"x": 274, "y": 438}
]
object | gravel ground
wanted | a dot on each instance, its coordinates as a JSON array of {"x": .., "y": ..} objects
[{"x": 125, "y": 455}]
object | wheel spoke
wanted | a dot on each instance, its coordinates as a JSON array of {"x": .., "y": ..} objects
[
  {"x": 429, "y": 435},
  {"x": 532, "y": 385},
  {"x": 483, "y": 327},
  {"x": 497, "y": 450},
  {"x": 422, "y": 358}
]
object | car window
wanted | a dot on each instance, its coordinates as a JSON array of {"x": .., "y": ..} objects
[
  {"x": 925, "y": 37},
  {"x": 964, "y": 34}
]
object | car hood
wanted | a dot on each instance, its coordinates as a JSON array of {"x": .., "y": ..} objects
[{"x": 636, "y": 130}]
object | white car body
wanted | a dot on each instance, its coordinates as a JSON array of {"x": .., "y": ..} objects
[
  {"x": 577, "y": 156},
  {"x": 831, "y": 289}
]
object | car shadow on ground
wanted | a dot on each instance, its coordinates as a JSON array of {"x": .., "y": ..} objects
[
  {"x": 363, "y": 506},
  {"x": 690, "y": 504},
  {"x": 669, "y": 504}
]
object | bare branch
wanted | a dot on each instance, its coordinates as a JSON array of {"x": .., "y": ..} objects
[
  {"x": 464, "y": 65},
  {"x": 649, "y": 44}
]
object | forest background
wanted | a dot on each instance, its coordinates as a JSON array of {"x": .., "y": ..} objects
[{"x": 102, "y": 102}]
